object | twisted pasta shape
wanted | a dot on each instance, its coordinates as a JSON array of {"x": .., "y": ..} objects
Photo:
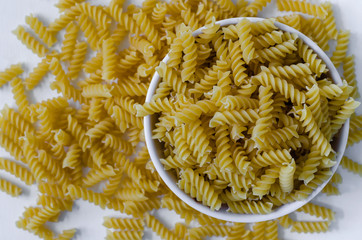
[
  {"x": 245, "y": 40},
  {"x": 282, "y": 136},
  {"x": 87, "y": 195},
  {"x": 237, "y": 63},
  {"x": 227, "y": 6},
  {"x": 286, "y": 177},
  {"x": 20, "y": 97},
  {"x": 313, "y": 100},
  {"x": 42, "y": 217},
  {"x": 259, "y": 230},
  {"x": 148, "y": 28},
  {"x": 330, "y": 189},
  {"x": 211, "y": 78},
  {"x": 263, "y": 27},
  {"x": 273, "y": 157},
  {"x": 37, "y": 74},
  {"x": 72, "y": 157},
  {"x": 64, "y": 19},
  {"x": 172, "y": 202},
  {"x": 109, "y": 65},
  {"x": 234, "y": 117},
  {"x": 53, "y": 168},
  {"x": 193, "y": 184},
  {"x": 170, "y": 76},
  {"x": 189, "y": 57},
  {"x": 318, "y": 211},
  {"x": 136, "y": 235},
  {"x": 95, "y": 176},
  {"x": 351, "y": 165},
  {"x": 303, "y": 7},
  {"x": 46, "y": 36},
  {"x": 262, "y": 186},
  {"x": 250, "y": 207},
  {"x": 52, "y": 190},
  {"x": 198, "y": 141},
  {"x": 292, "y": 20},
  {"x": 329, "y": 21},
  {"x": 268, "y": 39},
  {"x": 89, "y": 30},
  {"x": 97, "y": 90},
  {"x": 9, "y": 73},
  {"x": 63, "y": 5},
  {"x": 76, "y": 62},
  {"x": 11, "y": 147},
  {"x": 123, "y": 223},
  {"x": 140, "y": 208},
  {"x": 316, "y": 65},
  {"x": 30, "y": 42},
  {"x": 97, "y": 13},
  {"x": 123, "y": 119},
  {"x": 276, "y": 52},
  {"x": 17, "y": 170},
  {"x": 159, "y": 228},
  {"x": 223, "y": 154},
  {"x": 131, "y": 194},
  {"x": 314, "y": 159},
  {"x": 256, "y": 6},
  {"x": 282, "y": 86},
  {"x": 155, "y": 106},
  {"x": 289, "y": 72},
  {"x": 100, "y": 129},
  {"x": 263, "y": 124},
  {"x": 345, "y": 112},
  {"x": 341, "y": 49},
  {"x": 310, "y": 227},
  {"x": 189, "y": 18},
  {"x": 305, "y": 116},
  {"x": 9, "y": 188},
  {"x": 194, "y": 111},
  {"x": 78, "y": 133},
  {"x": 349, "y": 75},
  {"x": 129, "y": 167},
  {"x": 271, "y": 230},
  {"x": 230, "y": 102},
  {"x": 318, "y": 33},
  {"x": 67, "y": 234}
]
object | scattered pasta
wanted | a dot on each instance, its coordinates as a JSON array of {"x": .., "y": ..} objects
[{"x": 240, "y": 108}]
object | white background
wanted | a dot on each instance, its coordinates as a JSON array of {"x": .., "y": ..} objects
[{"x": 88, "y": 218}]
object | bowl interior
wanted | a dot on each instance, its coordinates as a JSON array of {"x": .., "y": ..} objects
[{"x": 155, "y": 147}]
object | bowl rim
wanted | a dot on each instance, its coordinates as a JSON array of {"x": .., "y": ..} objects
[{"x": 240, "y": 217}]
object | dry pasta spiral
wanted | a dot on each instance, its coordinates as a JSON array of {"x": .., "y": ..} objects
[
  {"x": 10, "y": 73},
  {"x": 78, "y": 57},
  {"x": 204, "y": 191},
  {"x": 256, "y": 6},
  {"x": 30, "y": 42},
  {"x": 47, "y": 37},
  {"x": 245, "y": 39},
  {"x": 305, "y": 116},
  {"x": 310, "y": 227},
  {"x": 9, "y": 188},
  {"x": 302, "y": 6},
  {"x": 341, "y": 49},
  {"x": 17, "y": 170}
]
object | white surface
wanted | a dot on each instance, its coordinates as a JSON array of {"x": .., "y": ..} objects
[
  {"x": 88, "y": 218},
  {"x": 155, "y": 148}
]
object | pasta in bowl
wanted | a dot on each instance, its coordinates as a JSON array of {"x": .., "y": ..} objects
[{"x": 240, "y": 117}]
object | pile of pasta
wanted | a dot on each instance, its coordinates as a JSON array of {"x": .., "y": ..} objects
[
  {"x": 248, "y": 121},
  {"x": 88, "y": 143}
]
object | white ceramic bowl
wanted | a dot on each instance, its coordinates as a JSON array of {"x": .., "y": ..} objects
[{"x": 154, "y": 147}]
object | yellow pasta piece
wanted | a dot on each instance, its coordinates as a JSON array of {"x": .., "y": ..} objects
[{"x": 30, "y": 42}]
